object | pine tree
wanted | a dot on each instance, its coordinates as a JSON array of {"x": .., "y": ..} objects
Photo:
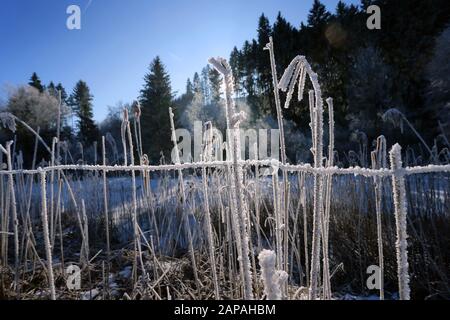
[
  {"x": 67, "y": 120},
  {"x": 205, "y": 85},
  {"x": 197, "y": 84},
  {"x": 182, "y": 102},
  {"x": 236, "y": 67},
  {"x": 264, "y": 74},
  {"x": 248, "y": 61},
  {"x": 215, "y": 82},
  {"x": 52, "y": 89},
  {"x": 318, "y": 15},
  {"x": 284, "y": 41},
  {"x": 36, "y": 82},
  {"x": 156, "y": 98},
  {"x": 368, "y": 91},
  {"x": 64, "y": 96},
  {"x": 81, "y": 102},
  {"x": 189, "y": 89},
  {"x": 249, "y": 66},
  {"x": 264, "y": 31}
]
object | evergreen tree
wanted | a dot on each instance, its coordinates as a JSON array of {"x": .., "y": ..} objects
[
  {"x": 52, "y": 89},
  {"x": 183, "y": 102},
  {"x": 264, "y": 74},
  {"x": 64, "y": 97},
  {"x": 368, "y": 92},
  {"x": 215, "y": 81},
  {"x": 236, "y": 67},
  {"x": 36, "y": 82},
  {"x": 205, "y": 85},
  {"x": 318, "y": 15},
  {"x": 189, "y": 89},
  {"x": 264, "y": 31},
  {"x": 67, "y": 120},
  {"x": 197, "y": 84},
  {"x": 249, "y": 68},
  {"x": 81, "y": 102},
  {"x": 318, "y": 44},
  {"x": 156, "y": 98}
]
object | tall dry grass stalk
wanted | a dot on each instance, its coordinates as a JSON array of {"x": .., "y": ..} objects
[
  {"x": 326, "y": 213},
  {"x": 233, "y": 120},
  {"x": 378, "y": 157},
  {"x": 185, "y": 213},
  {"x": 45, "y": 228},
  {"x": 283, "y": 208},
  {"x": 399, "y": 193},
  {"x": 209, "y": 231},
  {"x": 13, "y": 204},
  {"x": 137, "y": 236},
  {"x": 105, "y": 204}
]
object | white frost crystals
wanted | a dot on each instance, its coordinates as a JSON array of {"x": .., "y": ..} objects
[
  {"x": 272, "y": 279},
  {"x": 239, "y": 204},
  {"x": 229, "y": 202},
  {"x": 299, "y": 68},
  {"x": 398, "y": 186}
]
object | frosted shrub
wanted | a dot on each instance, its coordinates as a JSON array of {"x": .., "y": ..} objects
[
  {"x": 37, "y": 109},
  {"x": 8, "y": 121}
]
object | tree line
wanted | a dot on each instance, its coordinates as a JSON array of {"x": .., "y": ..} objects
[{"x": 365, "y": 71}]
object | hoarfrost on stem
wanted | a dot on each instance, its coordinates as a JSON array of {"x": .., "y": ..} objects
[
  {"x": 271, "y": 278},
  {"x": 237, "y": 188},
  {"x": 398, "y": 186}
]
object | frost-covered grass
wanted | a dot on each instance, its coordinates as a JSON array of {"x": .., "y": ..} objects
[
  {"x": 222, "y": 229},
  {"x": 352, "y": 235}
]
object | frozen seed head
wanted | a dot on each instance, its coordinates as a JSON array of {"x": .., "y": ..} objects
[
  {"x": 395, "y": 117},
  {"x": 125, "y": 115},
  {"x": 220, "y": 64},
  {"x": 288, "y": 74},
  {"x": 136, "y": 109}
]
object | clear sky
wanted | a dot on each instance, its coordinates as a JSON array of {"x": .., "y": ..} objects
[{"x": 119, "y": 38}]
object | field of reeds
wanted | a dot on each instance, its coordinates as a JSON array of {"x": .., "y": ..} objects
[{"x": 120, "y": 228}]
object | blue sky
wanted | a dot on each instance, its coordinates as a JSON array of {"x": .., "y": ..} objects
[{"x": 118, "y": 39}]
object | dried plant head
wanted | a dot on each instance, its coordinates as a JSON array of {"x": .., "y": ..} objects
[
  {"x": 144, "y": 160},
  {"x": 136, "y": 107},
  {"x": 125, "y": 115},
  {"x": 220, "y": 64},
  {"x": 359, "y": 137},
  {"x": 395, "y": 117}
]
